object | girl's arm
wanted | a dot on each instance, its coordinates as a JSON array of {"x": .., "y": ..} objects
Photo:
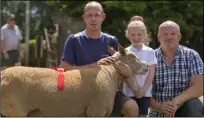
[{"x": 150, "y": 77}]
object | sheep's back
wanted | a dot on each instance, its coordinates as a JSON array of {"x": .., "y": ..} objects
[{"x": 37, "y": 87}]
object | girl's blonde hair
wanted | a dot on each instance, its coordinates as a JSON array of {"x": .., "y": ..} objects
[
  {"x": 136, "y": 18},
  {"x": 138, "y": 21}
]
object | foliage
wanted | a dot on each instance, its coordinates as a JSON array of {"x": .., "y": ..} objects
[
  {"x": 188, "y": 14},
  {"x": 40, "y": 16},
  {"x": 33, "y": 60}
]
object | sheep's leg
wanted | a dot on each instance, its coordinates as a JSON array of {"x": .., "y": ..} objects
[
  {"x": 35, "y": 113},
  {"x": 10, "y": 108},
  {"x": 97, "y": 110},
  {"x": 108, "y": 112},
  {"x": 2, "y": 115},
  {"x": 14, "y": 113}
]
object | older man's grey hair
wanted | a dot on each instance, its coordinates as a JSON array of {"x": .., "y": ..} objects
[
  {"x": 169, "y": 24},
  {"x": 11, "y": 16}
]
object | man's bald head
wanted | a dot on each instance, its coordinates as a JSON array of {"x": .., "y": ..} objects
[
  {"x": 169, "y": 24},
  {"x": 93, "y": 4}
]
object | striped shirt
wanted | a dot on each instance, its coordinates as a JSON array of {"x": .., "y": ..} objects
[{"x": 172, "y": 80}]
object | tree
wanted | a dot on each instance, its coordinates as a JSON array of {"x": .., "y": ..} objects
[
  {"x": 41, "y": 15},
  {"x": 188, "y": 14}
]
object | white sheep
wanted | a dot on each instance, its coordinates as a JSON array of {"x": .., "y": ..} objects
[{"x": 31, "y": 91}]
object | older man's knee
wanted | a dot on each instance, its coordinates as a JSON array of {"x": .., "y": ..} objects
[
  {"x": 130, "y": 108},
  {"x": 192, "y": 108}
]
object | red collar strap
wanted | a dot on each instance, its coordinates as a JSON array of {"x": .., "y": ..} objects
[{"x": 60, "y": 76}]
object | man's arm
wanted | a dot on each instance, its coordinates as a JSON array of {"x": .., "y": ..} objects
[
  {"x": 68, "y": 66},
  {"x": 103, "y": 61},
  {"x": 3, "y": 50},
  {"x": 2, "y": 41},
  {"x": 194, "y": 91},
  {"x": 154, "y": 104}
]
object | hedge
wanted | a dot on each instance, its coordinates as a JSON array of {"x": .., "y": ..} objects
[{"x": 33, "y": 60}]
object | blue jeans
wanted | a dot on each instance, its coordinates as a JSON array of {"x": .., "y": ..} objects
[{"x": 191, "y": 108}]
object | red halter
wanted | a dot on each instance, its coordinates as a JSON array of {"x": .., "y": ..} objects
[{"x": 60, "y": 76}]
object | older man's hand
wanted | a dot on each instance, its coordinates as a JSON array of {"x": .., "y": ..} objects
[
  {"x": 123, "y": 68},
  {"x": 168, "y": 109}
]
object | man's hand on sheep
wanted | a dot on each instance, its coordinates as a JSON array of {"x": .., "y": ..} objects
[
  {"x": 107, "y": 60},
  {"x": 123, "y": 68}
]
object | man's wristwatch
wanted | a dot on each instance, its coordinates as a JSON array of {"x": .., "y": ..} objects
[{"x": 178, "y": 105}]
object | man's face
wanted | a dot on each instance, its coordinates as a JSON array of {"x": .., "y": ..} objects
[
  {"x": 93, "y": 17},
  {"x": 169, "y": 37},
  {"x": 11, "y": 22}
]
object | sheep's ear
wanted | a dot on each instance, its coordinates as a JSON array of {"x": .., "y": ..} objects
[
  {"x": 111, "y": 50},
  {"x": 121, "y": 50}
]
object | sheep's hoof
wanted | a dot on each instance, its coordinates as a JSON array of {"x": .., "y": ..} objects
[
  {"x": 35, "y": 113},
  {"x": 2, "y": 115}
]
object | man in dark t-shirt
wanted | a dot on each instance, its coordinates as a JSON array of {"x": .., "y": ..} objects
[
  {"x": 81, "y": 50},
  {"x": 90, "y": 47}
]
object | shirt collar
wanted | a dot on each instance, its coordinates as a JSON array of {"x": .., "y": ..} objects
[
  {"x": 7, "y": 26},
  {"x": 84, "y": 33},
  {"x": 143, "y": 47},
  {"x": 178, "y": 51}
]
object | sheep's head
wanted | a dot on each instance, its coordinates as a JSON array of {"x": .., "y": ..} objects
[{"x": 136, "y": 65}]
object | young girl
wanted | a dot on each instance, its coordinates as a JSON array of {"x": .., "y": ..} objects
[{"x": 136, "y": 33}]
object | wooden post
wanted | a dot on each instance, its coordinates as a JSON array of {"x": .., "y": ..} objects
[
  {"x": 38, "y": 49},
  {"x": 48, "y": 49},
  {"x": 27, "y": 32}
]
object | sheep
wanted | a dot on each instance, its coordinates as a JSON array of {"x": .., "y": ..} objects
[{"x": 32, "y": 91}]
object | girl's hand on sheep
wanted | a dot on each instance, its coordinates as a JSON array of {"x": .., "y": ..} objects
[
  {"x": 123, "y": 68},
  {"x": 107, "y": 60}
]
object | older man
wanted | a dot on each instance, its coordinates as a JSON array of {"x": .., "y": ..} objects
[
  {"x": 10, "y": 43},
  {"x": 178, "y": 80}
]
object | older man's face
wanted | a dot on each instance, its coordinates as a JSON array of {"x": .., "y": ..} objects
[
  {"x": 11, "y": 22},
  {"x": 169, "y": 37}
]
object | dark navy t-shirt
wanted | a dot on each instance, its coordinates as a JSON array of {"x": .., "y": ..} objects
[{"x": 79, "y": 49}]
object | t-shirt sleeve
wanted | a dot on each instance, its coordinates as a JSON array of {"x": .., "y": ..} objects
[
  {"x": 114, "y": 43},
  {"x": 68, "y": 54},
  {"x": 152, "y": 57},
  {"x": 196, "y": 64}
]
